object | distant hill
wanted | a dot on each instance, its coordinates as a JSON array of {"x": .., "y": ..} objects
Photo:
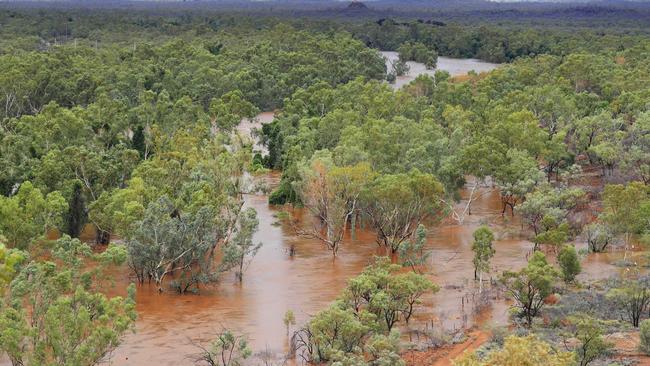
[{"x": 357, "y": 5}]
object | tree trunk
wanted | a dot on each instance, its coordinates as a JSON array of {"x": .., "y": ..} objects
[{"x": 102, "y": 237}]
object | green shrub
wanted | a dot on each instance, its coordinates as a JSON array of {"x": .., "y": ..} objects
[{"x": 644, "y": 334}]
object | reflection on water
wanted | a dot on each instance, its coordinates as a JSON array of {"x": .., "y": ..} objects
[{"x": 454, "y": 66}]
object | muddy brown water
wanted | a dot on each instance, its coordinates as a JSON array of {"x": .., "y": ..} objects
[{"x": 169, "y": 326}]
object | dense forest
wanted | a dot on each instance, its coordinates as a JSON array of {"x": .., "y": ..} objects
[{"x": 123, "y": 155}]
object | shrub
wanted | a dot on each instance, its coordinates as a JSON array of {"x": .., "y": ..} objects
[
  {"x": 644, "y": 334},
  {"x": 569, "y": 263}
]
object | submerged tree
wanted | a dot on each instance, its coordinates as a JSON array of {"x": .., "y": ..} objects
[
  {"x": 598, "y": 237},
  {"x": 332, "y": 195},
  {"x": 483, "y": 253},
  {"x": 412, "y": 252},
  {"x": 241, "y": 249},
  {"x": 168, "y": 242},
  {"x": 228, "y": 349},
  {"x": 397, "y": 204}
]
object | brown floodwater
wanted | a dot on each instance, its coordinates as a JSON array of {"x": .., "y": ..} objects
[{"x": 169, "y": 326}]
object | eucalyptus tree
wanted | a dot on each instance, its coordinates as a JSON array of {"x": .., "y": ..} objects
[
  {"x": 53, "y": 311},
  {"x": 332, "y": 195},
  {"x": 29, "y": 214},
  {"x": 483, "y": 253},
  {"x": 396, "y": 204},
  {"x": 622, "y": 209},
  {"x": 517, "y": 177},
  {"x": 530, "y": 286}
]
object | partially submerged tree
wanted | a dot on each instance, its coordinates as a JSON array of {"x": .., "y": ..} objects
[
  {"x": 240, "y": 250},
  {"x": 483, "y": 253},
  {"x": 621, "y": 208},
  {"x": 412, "y": 252},
  {"x": 332, "y": 195},
  {"x": 227, "y": 349},
  {"x": 397, "y": 204},
  {"x": 517, "y": 177},
  {"x": 547, "y": 201},
  {"x": 168, "y": 242},
  {"x": 227, "y": 111},
  {"x": 598, "y": 237}
]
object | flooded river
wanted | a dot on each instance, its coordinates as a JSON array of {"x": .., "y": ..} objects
[
  {"x": 169, "y": 326},
  {"x": 454, "y": 66}
]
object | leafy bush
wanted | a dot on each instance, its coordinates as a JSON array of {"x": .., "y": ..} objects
[{"x": 644, "y": 335}]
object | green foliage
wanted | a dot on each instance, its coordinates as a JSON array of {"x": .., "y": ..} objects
[
  {"x": 332, "y": 195},
  {"x": 517, "y": 177},
  {"x": 520, "y": 351},
  {"x": 591, "y": 344},
  {"x": 384, "y": 350},
  {"x": 10, "y": 261},
  {"x": 599, "y": 237},
  {"x": 396, "y": 204},
  {"x": 289, "y": 319},
  {"x": 552, "y": 232},
  {"x": 419, "y": 53},
  {"x": 632, "y": 298},
  {"x": 622, "y": 207},
  {"x": 335, "y": 330},
  {"x": 30, "y": 214},
  {"x": 530, "y": 286},
  {"x": 412, "y": 252},
  {"x": 53, "y": 313},
  {"x": 483, "y": 252},
  {"x": 548, "y": 202},
  {"x": 380, "y": 290},
  {"x": 368, "y": 309},
  {"x": 229, "y": 110},
  {"x": 167, "y": 242},
  {"x": 228, "y": 349},
  {"x": 644, "y": 335},
  {"x": 569, "y": 263},
  {"x": 241, "y": 249}
]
